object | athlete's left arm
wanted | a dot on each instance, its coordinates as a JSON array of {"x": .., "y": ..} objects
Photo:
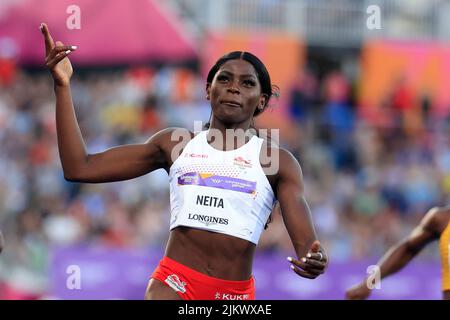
[{"x": 311, "y": 259}]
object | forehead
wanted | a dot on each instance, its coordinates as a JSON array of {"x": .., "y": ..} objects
[{"x": 239, "y": 67}]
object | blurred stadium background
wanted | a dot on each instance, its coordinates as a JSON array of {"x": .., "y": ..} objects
[{"x": 366, "y": 112}]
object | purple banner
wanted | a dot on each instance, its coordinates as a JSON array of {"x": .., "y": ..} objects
[
  {"x": 214, "y": 181},
  {"x": 124, "y": 274}
]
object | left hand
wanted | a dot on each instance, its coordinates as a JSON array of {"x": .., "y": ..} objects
[{"x": 312, "y": 265}]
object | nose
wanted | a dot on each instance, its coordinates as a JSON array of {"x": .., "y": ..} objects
[{"x": 234, "y": 87}]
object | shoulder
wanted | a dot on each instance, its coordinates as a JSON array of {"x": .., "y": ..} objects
[
  {"x": 436, "y": 219},
  {"x": 289, "y": 166},
  {"x": 171, "y": 143},
  {"x": 279, "y": 162},
  {"x": 171, "y": 133},
  {"x": 271, "y": 146},
  {"x": 168, "y": 138}
]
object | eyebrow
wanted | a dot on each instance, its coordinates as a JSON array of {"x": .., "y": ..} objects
[{"x": 242, "y": 75}]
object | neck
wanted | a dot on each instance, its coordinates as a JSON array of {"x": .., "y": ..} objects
[
  {"x": 227, "y": 137},
  {"x": 222, "y": 126}
]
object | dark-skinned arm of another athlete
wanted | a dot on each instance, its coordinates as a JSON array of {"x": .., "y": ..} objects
[
  {"x": 311, "y": 259},
  {"x": 400, "y": 254}
]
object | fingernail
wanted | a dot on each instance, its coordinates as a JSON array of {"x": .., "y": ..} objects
[
  {"x": 292, "y": 267},
  {"x": 41, "y": 27},
  {"x": 68, "y": 51},
  {"x": 303, "y": 259},
  {"x": 309, "y": 255},
  {"x": 74, "y": 47},
  {"x": 289, "y": 259}
]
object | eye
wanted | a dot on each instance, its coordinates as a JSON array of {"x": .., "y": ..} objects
[
  {"x": 222, "y": 78},
  {"x": 249, "y": 83}
]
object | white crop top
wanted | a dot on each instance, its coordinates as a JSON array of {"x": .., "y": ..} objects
[{"x": 220, "y": 191}]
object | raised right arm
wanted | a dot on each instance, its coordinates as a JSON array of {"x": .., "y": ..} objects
[{"x": 115, "y": 164}]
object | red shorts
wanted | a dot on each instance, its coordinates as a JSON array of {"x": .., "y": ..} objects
[{"x": 193, "y": 285}]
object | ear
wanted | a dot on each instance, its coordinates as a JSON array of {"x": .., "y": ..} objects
[
  {"x": 263, "y": 100},
  {"x": 208, "y": 91}
]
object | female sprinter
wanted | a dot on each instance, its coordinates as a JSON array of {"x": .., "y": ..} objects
[{"x": 221, "y": 195}]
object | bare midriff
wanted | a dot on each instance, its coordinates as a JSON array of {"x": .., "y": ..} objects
[{"x": 214, "y": 254}]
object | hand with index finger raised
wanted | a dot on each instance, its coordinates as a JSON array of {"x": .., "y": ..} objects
[{"x": 56, "y": 58}]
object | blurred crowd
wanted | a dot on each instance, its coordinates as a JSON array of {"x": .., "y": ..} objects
[{"x": 369, "y": 177}]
